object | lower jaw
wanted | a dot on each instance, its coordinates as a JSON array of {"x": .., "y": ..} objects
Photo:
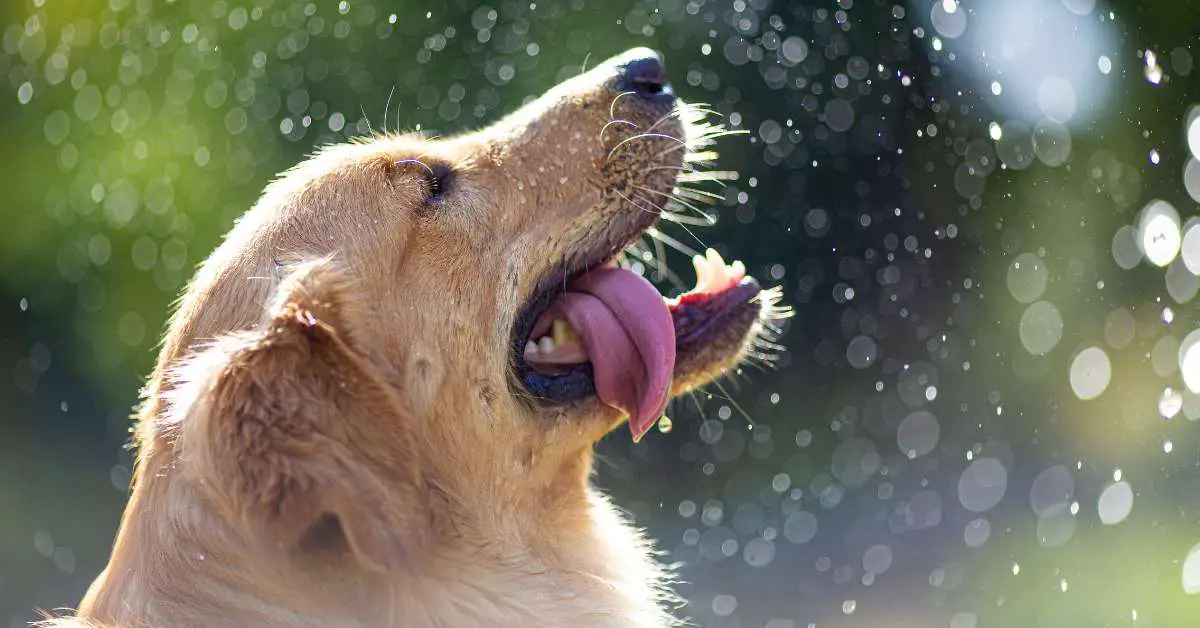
[{"x": 711, "y": 335}]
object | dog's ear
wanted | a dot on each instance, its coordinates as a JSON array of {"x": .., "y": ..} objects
[{"x": 290, "y": 426}]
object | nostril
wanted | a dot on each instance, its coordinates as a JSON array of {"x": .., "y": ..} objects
[
  {"x": 646, "y": 76},
  {"x": 648, "y": 87}
]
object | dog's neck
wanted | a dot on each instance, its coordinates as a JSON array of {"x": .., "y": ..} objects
[{"x": 186, "y": 565}]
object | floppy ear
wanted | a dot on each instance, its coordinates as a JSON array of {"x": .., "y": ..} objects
[{"x": 290, "y": 425}]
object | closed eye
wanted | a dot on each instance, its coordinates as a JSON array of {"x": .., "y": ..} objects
[
  {"x": 437, "y": 176},
  {"x": 438, "y": 183}
]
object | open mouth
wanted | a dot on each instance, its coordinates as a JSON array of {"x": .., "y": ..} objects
[
  {"x": 610, "y": 333},
  {"x": 594, "y": 330}
]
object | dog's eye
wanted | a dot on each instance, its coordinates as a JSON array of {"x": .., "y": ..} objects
[
  {"x": 437, "y": 182},
  {"x": 435, "y": 177}
]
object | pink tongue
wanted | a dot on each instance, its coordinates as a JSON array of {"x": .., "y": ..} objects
[{"x": 630, "y": 339}]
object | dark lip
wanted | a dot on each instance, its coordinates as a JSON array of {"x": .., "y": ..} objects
[{"x": 698, "y": 317}]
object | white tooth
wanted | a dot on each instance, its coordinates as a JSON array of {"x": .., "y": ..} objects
[
  {"x": 717, "y": 275},
  {"x": 563, "y": 334},
  {"x": 546, "y": 344},
  {"x": 738, "y": 270},
  {"x": 701, "y": 264},
  {"x": 531, "y": 347}
]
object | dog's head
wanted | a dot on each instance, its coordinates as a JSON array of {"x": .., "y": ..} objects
[{"x": 451, "y": 326}]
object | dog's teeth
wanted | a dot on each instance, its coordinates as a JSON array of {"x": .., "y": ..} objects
[
  {"x": 718, "y": 273},
  {"x": 714, "y": 258},
  {"x": 531, "y": 347},
  {"x": 563, "y": 334},
  {"x": 546, "y": 344},
  {"x": 713, "y": 274},
  {"x": 738, "y": 270},
  {"x": 722, "y": 277},
  {"x": 702, "y": 274}
]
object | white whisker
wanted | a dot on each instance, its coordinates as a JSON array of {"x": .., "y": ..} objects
[
  {"x": 419, "y": 163},
  {"x": 656, "y": 211},
  {"x": 676, "y": 244},
  {"x": 612, "y": 122},
  {"x": 732, "y": 402},
  {"x": 674, "y": 113},
  {"x": 699, "y": 407},
  {"x": 674, "y": 197},
  {"x": 612, "y": 107},
  {"x": 387, "y": 105},
  {"x": 368, "y": 120},
  {"x": 688, "y": 174},
  {"x": 688, "y": 220},
  {"x": 659, "y": 259},
  {"x": 694, "y": 194},
  {"x": 642, "y": 136}
]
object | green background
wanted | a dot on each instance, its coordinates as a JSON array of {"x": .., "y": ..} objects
[{"x": 134, "y": 132}]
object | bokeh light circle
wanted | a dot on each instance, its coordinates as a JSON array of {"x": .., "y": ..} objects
[
  {"x": 1041, "y": 328},
  {"x": 1090, "y": 373},
  {"x": 1115, "y": 503}
]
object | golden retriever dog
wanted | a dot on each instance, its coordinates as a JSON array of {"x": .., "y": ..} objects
[{"x": 378, "y": 400}]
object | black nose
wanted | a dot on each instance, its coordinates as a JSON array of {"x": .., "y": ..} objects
[{"x": 646, "y": 76}]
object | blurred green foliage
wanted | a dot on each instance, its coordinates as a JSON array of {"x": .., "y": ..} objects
[{"x": 874, "y": 187}]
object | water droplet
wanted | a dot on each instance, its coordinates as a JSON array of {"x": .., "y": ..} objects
[
  {"x": 877, "y": 559},
  {"x": 1170, "y": 402},
  {"x": 1115, "y": 502},
  {"x": 1041, "y": 328},
  {"x": 1189, "y": 361},
  {"x": 1090, "y": 373},
  {"x": 918, "y": 434},
  {"x": 723, "y": 605},
  {"x": 1027, "y": 277},
  {"x": 1158, "y": 232},
  {"x": 1191, "y": 571},
  {"x": 982, "y": 484}
]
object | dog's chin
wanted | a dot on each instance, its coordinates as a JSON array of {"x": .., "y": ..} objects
[{"x": 586, "y": 419}]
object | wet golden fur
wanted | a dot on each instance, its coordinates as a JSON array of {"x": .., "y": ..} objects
[{"x": 331, "y": 436}]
